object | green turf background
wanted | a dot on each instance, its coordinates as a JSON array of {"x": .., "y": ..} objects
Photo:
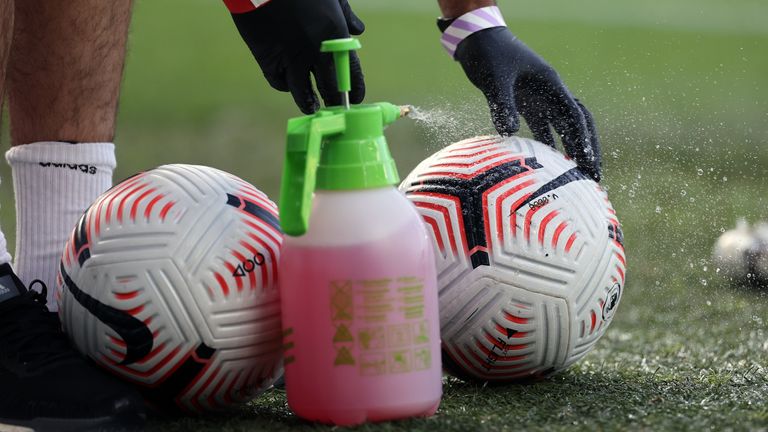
[{"x": 679, "y": 92}]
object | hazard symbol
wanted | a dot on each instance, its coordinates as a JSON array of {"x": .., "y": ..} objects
[
  {"x": 343, "y": 334},
  {"x": 343, "y": 357}
]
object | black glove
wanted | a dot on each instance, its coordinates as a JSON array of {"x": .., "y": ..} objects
[
  {"x": 515, "y": 80},
  {"x": 285, "y": 36}
]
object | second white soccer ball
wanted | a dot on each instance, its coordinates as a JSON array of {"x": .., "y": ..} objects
[{"x": 529, "y": 252}]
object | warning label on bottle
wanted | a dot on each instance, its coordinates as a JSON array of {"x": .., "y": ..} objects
[{"x": 379, "y": 325}]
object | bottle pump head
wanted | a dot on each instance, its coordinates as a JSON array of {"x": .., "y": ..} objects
[{"x": 337, "y": 148}]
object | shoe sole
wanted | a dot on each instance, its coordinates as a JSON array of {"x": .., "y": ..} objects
[{"x": 13, "y": 428}]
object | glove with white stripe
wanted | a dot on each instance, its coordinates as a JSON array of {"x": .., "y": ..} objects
[
  {"x": 516, "y": 81},
  {"x": 285, "y": 36}
]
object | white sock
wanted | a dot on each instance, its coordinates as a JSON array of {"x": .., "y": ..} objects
[{"x": 54, "y": 183}]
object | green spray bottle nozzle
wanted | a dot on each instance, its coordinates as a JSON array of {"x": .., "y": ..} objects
[
  {"x": 337, "y": 148},
  {"x": 341, "y": 49}
]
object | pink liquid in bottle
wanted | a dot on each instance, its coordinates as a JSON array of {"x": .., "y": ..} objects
[{"x": 361, "y": 329}]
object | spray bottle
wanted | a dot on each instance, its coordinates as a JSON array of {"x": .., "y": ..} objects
[{"x": 358, "y": 282}]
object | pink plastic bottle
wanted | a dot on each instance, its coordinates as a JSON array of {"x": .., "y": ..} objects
[
  {"x": 358, "y": 284},
  {"x": 360, "y": 311}
]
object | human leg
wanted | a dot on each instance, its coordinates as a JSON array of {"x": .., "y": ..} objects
[
  {"x": 6, "y": 33},
  {"x": 64, "y": 78},
  {"x": 44, "y": 383},
  {"x": 65, "y": 69}
]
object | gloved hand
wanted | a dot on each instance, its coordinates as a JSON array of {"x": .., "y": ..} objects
[
  {"x": 285, "y": 36},
  {"x": 514, "y": 79}
]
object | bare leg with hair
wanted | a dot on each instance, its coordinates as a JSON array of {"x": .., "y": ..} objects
[
  {"x": 65, "y": 69},
  {"x": 6, "y": 33},
  {"x": 64, "y": 75}
]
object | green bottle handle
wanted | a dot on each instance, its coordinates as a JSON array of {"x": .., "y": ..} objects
[{"x": 302, "y": 157}]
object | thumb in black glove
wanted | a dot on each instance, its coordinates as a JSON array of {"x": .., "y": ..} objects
[
  {"x": 516, "y": 81},
  {"x": 285, "y": 36}
]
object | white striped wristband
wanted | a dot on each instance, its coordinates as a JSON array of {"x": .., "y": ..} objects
[{"x": 470, "y": 22}]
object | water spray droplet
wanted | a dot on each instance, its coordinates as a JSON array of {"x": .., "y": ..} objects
[{"x": 446, "y": 124}]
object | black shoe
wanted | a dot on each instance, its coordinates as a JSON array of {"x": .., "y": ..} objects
[{"x": 44, "y": 384}]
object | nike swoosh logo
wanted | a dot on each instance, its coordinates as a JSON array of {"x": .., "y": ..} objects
[
  {"x": 572, "y": 175},
  {"x": 136, "y": 335}
]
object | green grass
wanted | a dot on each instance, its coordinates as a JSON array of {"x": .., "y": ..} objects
[{"x": 682, "y": 107}]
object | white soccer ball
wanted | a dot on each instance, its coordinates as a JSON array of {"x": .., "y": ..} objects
[
  {"x": 731, "y": 250},
  {"x": 741, "y": 254},
  {"x": 529, "y": 253},
  {"x": 169, "y": 280}
]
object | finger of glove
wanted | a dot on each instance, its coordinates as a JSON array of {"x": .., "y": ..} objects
[
  {"x": 277, "y": 81},
  {"x": 357, "y": 94},
  {"x": 569, "y": 122},
  {"x": 540, "y": 129},
  {"x": 594, "y": 141},
  {"x": 301, "y": 89},
  {"x": 531, "y": 110},
  {"x": 325, "y": 79},
  {"x": 501, "y": 101},
  {"x": 355, "y": 25}
]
